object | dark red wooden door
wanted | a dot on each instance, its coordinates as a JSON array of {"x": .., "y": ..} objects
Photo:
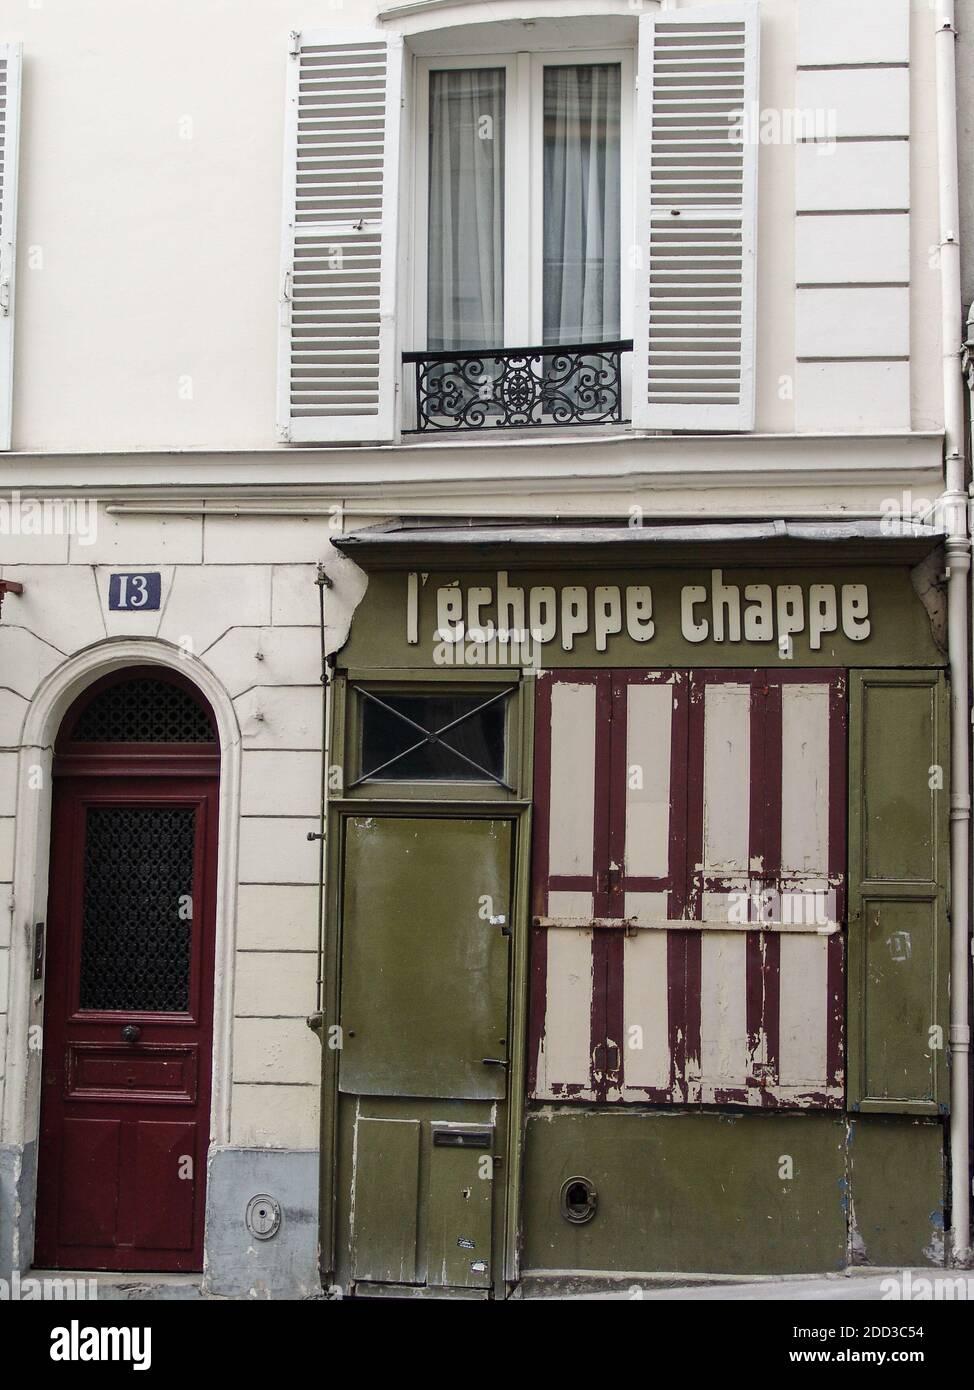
[{"x": 128, "y": 1014}]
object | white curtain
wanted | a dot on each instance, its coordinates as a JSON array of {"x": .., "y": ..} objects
[
  {"x": 465, "y": 305},
  {"x": 581, "y": 203}
]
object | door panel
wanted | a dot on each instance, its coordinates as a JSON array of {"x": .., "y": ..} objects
[
  {"x": 424, "y": 971},
  {"x": 385, "y": 1234},
  {"x": 128, "y": 1022}
]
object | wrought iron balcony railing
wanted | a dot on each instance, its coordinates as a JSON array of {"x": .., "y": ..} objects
[{"x": 513, "y": 388}]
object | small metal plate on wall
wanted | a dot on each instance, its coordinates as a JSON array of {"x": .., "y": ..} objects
[
  {"x": 263, "y": 1217},
  {"x": 462, "y": 1138}
]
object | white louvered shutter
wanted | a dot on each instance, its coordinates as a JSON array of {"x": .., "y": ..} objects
[
  {"x": 337, "y": 369},
  {"x": 9, "y": 132},
  {"x": 696, "y": 209}
]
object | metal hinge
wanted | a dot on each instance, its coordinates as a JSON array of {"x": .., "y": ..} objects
[{"x": 4, "y": 297}]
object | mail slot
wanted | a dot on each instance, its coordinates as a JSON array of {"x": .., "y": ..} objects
[{"x": 461, "y": 1138}]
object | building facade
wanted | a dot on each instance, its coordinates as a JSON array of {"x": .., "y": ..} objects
[{"x": 484, "y": 676}]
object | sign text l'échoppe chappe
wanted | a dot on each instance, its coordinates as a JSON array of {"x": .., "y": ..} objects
[{"x": 721, "y": 612}]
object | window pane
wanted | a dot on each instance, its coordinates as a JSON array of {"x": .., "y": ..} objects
[
  {"x": 466, "y": 209},
  {"x": 581, "y": 203},
  {"x": 480, "y": 737}
]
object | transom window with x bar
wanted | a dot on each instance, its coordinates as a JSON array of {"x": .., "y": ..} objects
[{"x": 434, "y": 737}]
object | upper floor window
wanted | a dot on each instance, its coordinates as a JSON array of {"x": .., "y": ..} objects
[
  {"x": 523, "y": 202},
  {"x": 520, "y": 214},
  {"x": 548, "y": 220}
]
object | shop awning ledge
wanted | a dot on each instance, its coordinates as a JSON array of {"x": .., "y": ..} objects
[{"x": 402, "y": 544}]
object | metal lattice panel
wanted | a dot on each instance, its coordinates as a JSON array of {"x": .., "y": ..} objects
[
  {"x": 137, "y": 913},
  {"x": 143, "y": 711}
]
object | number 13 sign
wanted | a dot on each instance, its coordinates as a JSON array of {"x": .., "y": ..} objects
[{"x": 134, "y": 592}]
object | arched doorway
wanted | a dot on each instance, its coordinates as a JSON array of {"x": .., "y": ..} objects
[{"x": 128, "y": 1011}]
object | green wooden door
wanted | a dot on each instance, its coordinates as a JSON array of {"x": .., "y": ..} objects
[
  {"x": 426, "y": 911},
  {"x": 424, "y": 969},
  {"x": 898, "y": 877}
]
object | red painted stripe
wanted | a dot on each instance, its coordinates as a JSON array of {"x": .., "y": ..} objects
[
  {"x": 684, "y": 956},
  {"x": 602, "y": 901},
  {"x": 771, "y": 854},
  {"x": 838, "y": 764},
  {"x": 537, "y": 990},
  {"x": 755, "y": 947}
]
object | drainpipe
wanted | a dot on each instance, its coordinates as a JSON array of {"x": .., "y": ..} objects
[
  {"x": 954, "y": 505},
  {"x": 316, "y": 1020}
]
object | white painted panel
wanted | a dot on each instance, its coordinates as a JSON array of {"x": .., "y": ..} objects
[
  {"x": 858, "y": 101},
  {"x": 804, "y": 1009},
  {"x": 726, "y": 776},
  {"x": 723, "y": 1003},
  {"x": 732, "y": 906},
  {"x": 853, "y": 31},
  {"x": 854, "y": 175},
  {"x": 812, "y": 904},
  {"x": 572, "y": 827},
  {"x": 804, "y": 779},
  {"x": 852, "y": 323},
  {"x": 864, "y": 248},
  {"x": 852, "y": 396},
  {"x": 646, "y": 1011},
  {"x": 565, "y": 1054},
  {"x": 650, "y": 716}
]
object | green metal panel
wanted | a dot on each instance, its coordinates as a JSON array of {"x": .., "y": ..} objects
[
  {"x": 386, "y": 1198},
  {"x": 424, "y": 972},
  {"x": 896, "y": 1171},
  {"x": 724, "y": 1194},
  {"x": 460, "y": 1195},
  {"x": 758, "y": 1193},
  {"x": 898, "y": 877}
]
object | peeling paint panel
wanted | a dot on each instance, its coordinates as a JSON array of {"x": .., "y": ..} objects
[
  {"x": 564, "y": 1058},
  {"x": 572, "y": 778},
  {"x": 804, "y": 984},
  {"x": 744, "y": 1004},
  {"x": 805, "y": 779},
  {"x": 649, "y": 719},
  {"x": 723, "y": 1017},
  {"x": 726, "y": 777},
  {"x": 647, "y": 1057}
]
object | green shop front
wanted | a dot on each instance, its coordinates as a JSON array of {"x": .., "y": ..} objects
[{"x": 636, "y": 952}]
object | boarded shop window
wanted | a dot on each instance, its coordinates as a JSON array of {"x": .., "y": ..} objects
[
  {"x": 711, "y": 798},
  {"x": 429, "y": 737}
]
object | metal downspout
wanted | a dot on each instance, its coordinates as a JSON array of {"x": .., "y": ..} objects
[{"x": 954, "y": 504}]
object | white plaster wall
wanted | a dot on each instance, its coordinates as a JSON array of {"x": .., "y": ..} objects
[
  {"x": 254, "y": 626},
  {"x": 150, "y": 211}
]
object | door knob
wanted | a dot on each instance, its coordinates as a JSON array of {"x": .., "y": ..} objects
[{"x": 130, "y": 1033}]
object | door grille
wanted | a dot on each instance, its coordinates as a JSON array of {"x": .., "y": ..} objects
[
  {"x": 143, "y": 710},
  {"x": 137, "y": 909}
]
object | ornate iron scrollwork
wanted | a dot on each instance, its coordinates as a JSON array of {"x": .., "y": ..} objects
[{"x": 514, "y": 388}]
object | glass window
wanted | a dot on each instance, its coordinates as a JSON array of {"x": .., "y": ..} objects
[
  {"x": 582, "y": 236},
  {"x": 466, "y": 209},
  {"x": 456, "y": 738}
]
